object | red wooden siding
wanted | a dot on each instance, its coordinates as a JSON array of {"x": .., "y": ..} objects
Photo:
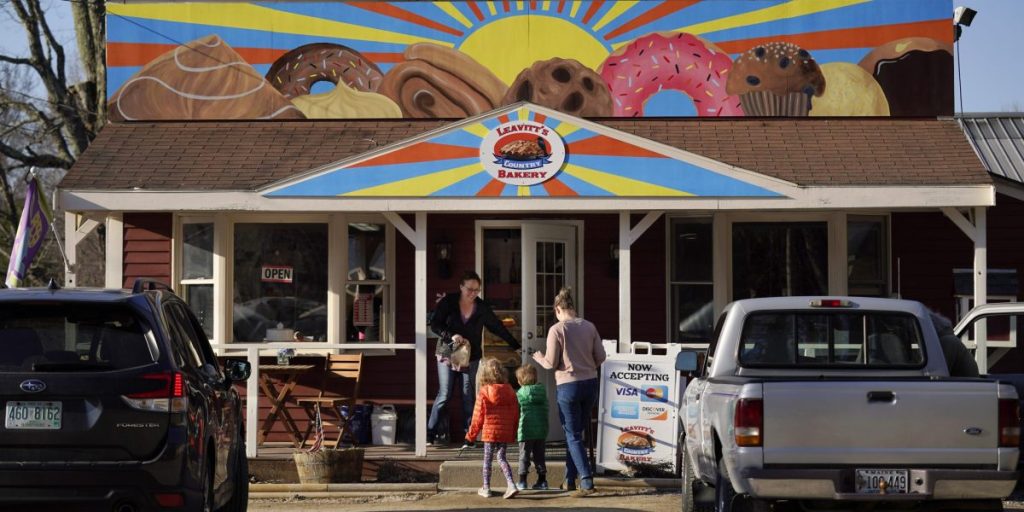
[{"x": 147, "y": 247}]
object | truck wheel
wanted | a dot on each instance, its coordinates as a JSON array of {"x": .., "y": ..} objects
[
  {"x": 691, "y": 485},
  {"x": 725, "y": 495}
]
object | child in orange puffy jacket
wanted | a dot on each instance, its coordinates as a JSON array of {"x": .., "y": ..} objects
[{"x": 496, "y": 419}]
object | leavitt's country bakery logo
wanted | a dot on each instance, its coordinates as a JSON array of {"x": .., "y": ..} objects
[{"x": 522, "y": 153}]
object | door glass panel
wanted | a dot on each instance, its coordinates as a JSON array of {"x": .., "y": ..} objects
[{"x": 550, "y": 279}]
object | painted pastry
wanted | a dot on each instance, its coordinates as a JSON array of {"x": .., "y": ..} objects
[
  {"x": 670, "y": 61},
  {"x": 203, "y": 79},
  {"x": 295, "y": 72},
  {"x": 346, "y": 103},
  {"x": 776, "y": 79},
  {"x": 915, "y": 74},
  {"x": 635, "y": 440},
  {"x": 565, "y": 85},
  {"x": 851, "y": 92},
  {"x": 439, "y": 82}
]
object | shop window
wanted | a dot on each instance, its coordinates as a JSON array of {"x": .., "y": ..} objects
[
  {"x": 368, "y": 283},
  {"x": 196, "y": 283},
  {"x": 779, "y": 259},
  {"x": 867, "y": 257},
  {"x": 280, "y": 279},
  {"x": 692, "y": 284}
]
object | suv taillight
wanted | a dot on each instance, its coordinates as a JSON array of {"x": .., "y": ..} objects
[
  {"x": 1009, "y": 422},
  {"x": 170, "y": 397},
  {"x": 749, "y": 422}
]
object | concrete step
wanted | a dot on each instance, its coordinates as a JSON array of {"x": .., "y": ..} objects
[{"x": 460, "y": 475}]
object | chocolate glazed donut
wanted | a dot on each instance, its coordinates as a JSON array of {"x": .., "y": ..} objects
[
  {"x": 295, "y": 72},
  {"x": 437, "y": 82}
]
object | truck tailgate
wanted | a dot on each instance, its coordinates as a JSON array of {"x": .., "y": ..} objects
[{"x": 900, "y": 422}]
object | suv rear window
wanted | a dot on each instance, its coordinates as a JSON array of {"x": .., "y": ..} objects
[
  {"x": 838, "y": 339},
  {"x": 64, "y": 337}
]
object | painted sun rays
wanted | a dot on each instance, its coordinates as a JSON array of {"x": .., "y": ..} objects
[{"x": 448, "y": 164}]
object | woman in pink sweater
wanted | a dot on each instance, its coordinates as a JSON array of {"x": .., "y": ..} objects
[{"x": 574, "y": 351}]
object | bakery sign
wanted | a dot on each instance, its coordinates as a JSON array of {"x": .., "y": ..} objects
[
  {"x": 522, "y": 153},
  {"x": 639, "y": 404},
  {"x": 276, "y": 274}
]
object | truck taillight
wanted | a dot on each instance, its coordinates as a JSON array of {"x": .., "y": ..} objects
[
  {"x": 749, "y": 422},
  {"x": 169, "y": 397},
  {"x": 1009, "y": 422}
]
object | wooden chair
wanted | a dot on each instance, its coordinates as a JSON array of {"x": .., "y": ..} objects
[{"x": 339, "y": 370}]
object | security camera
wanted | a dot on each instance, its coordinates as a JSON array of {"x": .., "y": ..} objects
[{"x": 963, "y": 16}]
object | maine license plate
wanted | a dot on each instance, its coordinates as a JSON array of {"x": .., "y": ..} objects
[
  {"x": 33, "y": 415},
  {"x": 894, "y": 481}
]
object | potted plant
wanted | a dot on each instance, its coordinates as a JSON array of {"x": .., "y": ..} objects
[{"x": 320, "y": 465}]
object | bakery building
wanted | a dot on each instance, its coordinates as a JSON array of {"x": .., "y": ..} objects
[{"x": 325, "y": 170}]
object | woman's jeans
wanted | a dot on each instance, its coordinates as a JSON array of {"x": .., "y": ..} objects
[
  {"x": 576, "y": 402},
  {"x": 446, "y": 378}
]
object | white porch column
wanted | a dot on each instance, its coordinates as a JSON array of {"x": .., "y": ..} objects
[
  {"x": 223, "y": 283},
  {"x": 625, "y": 284},
  {"x": 628, "y": 235},
  {"x": 336, "y": 268},
  {"x": 418, "y": 237},
  {"x": 71, "y": 240},
  {"x": 114, "y": 276},
  {"x": 981, "y": 285},
  {"x": 976, "y": 229}
]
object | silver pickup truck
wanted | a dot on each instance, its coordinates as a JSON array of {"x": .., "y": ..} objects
[{"x": 820, "y": 403}]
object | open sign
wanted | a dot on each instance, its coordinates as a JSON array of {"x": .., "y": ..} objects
[{"x": 276, "y": 274}]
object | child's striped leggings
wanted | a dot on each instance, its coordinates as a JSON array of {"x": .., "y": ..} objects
[{"x": 489, "y": 449}]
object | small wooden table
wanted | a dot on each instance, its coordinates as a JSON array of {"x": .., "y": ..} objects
[{"x": 286, "y": 375}]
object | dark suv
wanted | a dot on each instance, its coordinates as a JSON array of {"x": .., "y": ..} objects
[{"x": 113, "y": 400}]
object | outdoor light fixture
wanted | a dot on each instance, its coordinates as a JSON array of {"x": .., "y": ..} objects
[
  {"x": 962, "y": 17},
  {"x": 443, "y": 251}
]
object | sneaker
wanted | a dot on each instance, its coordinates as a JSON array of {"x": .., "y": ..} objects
[
  {"x": 468, "y": 444},
  {"x": 541, "y": 485},
  {"x": 485, "y": 492},
  {"x": 568, "y": 485},
  {"x": 583, "y": 493},
  {"x": 510, "y": 492},
  {"x": 522, "y": 483}
]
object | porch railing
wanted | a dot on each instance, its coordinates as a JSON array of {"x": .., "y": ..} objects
[{"x": 252, "y": 354}]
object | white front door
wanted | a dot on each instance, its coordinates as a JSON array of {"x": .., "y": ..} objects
[{"x": 549, "y": 263}]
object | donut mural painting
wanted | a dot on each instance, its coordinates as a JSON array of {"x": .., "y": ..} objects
[{"x": 589, "y": 58}]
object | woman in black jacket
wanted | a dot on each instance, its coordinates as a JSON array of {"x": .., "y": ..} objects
[{"x": 461, "y": 317}]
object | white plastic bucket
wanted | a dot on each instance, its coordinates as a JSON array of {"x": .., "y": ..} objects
[{"x": 385, "y": 422}]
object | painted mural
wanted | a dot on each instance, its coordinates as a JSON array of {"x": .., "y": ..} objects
[
  {"x": 524, "y": 151},
  {"x": 588, "y": 58}
]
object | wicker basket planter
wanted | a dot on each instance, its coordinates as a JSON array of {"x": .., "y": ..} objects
[{"x": 330, "y": 466}]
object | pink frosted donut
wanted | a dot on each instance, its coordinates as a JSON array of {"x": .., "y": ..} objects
[{"x": 673, "y": 60}]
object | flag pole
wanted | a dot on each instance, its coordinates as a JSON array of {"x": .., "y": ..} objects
[{"x": 53, "y": 229}]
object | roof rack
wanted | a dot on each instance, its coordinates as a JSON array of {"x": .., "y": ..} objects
[{"x": 144, "y": 283}]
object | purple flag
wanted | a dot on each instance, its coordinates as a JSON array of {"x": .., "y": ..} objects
[{"x": 32, "y": 231}]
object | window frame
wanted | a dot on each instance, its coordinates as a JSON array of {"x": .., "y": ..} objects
[{"x": 179, "y": 284}]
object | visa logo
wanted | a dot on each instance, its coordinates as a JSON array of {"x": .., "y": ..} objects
[{"x": 627, "y": 392}]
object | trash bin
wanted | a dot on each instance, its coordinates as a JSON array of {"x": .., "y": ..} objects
[{"x": 385, "y": 421}]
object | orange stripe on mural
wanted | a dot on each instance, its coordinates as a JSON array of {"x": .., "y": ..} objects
[
  {"x": 401, "y": 14},
  {"x": 539, "y": 118},
  {"x": 505, "y": 5},
  {"x": 561, "y": 5},
  {"x": 666, "y": 8},
  {"x": 492, "y": 189},
  {"x": 593, "y": 10},
  {"x": 607, "y": 146},
  {"x": 860, "y": 37},
  {"x": 140, "y": 54},
  {"x": 555, "y": 187},
  {"x": 533, "y": 5},
  {"x": 476, "y": 10},
  {"x": 503, "y": 118},
  {"x": 422, "y": 152}
]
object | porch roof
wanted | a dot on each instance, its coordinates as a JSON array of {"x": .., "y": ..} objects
[{"x": 249, "y": 155}]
